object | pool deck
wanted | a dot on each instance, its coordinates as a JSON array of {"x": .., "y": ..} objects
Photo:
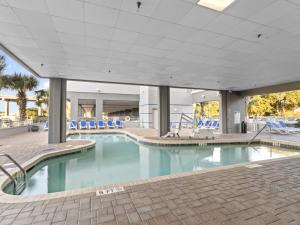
[{"x": 268, "y": 193}]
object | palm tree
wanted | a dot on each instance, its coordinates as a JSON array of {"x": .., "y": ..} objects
[
  {"x": 21, "y": 84},
  {"x": 2, "y": 63},
  {"x": 42, "y": 98}
]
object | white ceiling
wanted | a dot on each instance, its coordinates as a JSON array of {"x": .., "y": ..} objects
[{"x": 166, "y": 42}]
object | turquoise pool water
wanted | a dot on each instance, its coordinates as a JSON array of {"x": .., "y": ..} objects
[{"x": 118, "y": 158}]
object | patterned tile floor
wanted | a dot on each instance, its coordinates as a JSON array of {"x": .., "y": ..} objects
[{"x": 269, "y": 194}]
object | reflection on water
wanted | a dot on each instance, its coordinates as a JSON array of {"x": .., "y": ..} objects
[{"x": 118, "y": 158}]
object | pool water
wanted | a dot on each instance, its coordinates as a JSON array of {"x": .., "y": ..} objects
[{"x": 118, "y": 158}]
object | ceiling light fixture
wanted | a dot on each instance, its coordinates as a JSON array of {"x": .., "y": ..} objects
[{"x": 218, "y": 5}]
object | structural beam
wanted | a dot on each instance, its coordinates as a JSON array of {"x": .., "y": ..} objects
[
  {"x": 164, "y": 110},
  {"x": 272, "y": 89},
  {"x": 57, "y": 111}
]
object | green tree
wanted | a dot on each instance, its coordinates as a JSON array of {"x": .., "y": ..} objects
[
  {"x": 21, "y": 84},
  {"x": 275, "y": 104},
  {"x": 2, "y": 64},
  {"x": 42, "y": 97},
  {"x": 207, "y": 109}
]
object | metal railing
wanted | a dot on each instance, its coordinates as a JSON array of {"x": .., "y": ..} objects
[
  {"x": 18, "y": 188},
  {"x": 252, "y": 139}
]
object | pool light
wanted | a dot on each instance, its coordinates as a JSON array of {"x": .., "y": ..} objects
[{"x": 218, "y": 5}]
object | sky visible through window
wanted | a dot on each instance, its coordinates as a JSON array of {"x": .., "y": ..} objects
[{"x": 11, "y": 68}]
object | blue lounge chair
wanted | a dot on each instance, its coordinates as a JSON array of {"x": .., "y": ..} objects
[
  {"x": 110, "y": 124},
  {"x": 119, "y": 124},
  {"x": 214, "y": 125},
  {"x": 46, "y": 126},
  {"x": 101, "y": 124},
  {"x": 73, "y": 125},
  {"x": 206, "y": 124},
  {"x": 275, "y": 129},
  {"x": 292, "y": 130},
  {"x": 92, "y": 124},
  {"x": 200, "y": 124},
  {"x": 83, "y": 124}
]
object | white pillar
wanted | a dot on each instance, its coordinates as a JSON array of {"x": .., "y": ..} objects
[
  {"x": 57, "y": 111},
  {"x": 164, "y": 110},
  {"x": 74, "y": 107},
  {"x": 99, "y": 107},
  {"x": 6, "y": 108}
]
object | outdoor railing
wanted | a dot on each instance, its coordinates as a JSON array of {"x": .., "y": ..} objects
[{"x": 4, "y": 123}]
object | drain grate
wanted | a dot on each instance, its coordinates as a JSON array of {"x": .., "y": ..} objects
[
  {"x": 109, "y": 191},
  {"x": 250, "y": 166}
]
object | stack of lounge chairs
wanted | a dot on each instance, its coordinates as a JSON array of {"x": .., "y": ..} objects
[
  {"x": 83, "y": 124},
  {"x": 208, "y": 124}
]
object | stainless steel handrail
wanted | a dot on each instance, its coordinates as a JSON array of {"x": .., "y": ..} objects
[
  {"x": 257, "y": 134},
  {"x": 16, "y": 187},
  {"x": 9, "y": 175},
  {"x": 15, "y": 162}
]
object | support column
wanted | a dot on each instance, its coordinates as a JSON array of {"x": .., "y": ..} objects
[
  {"x": 57, "y": 111},
  {"x": 164, "y": 110},
  {"x": 232, "y": 111},
  {"x": 6, "y": 108},
  {"x": 99, "y": 107},
  {"x": 74, "y": 107}
]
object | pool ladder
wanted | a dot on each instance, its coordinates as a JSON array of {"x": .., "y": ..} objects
[{"x": 18, "y": 186}]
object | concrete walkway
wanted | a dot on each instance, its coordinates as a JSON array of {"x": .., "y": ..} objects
[{"x": 269, "y": 194}]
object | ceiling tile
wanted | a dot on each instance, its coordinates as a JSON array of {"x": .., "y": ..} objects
[
  {"x": 147, "y": 40},
  {"x": 222, "y": 24},
  {"x": 99, "y": 31},
  {"x": 74, "y": 9},
  {"x": 246, "y": 8},
  {"x": 32, "y": 5},
  {"x": 146, "y": 9},
  {"x": 125, "y": 36},
  {"x": 14, "y": 30},
  {"x": 179, "y": 10},
  {"x": 113, "y": 4},
  {"x": 132, "y": 22},
  {"x": 7, "y": 15},
  {"x": 198, "y": 17},
  {"x": 202, "y": 36},
  {"x": 100, "y": 15},
  {"x": 68, "y": 26}
]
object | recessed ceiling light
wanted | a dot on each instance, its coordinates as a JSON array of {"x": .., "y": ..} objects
[{"x": 218, "y": 5}]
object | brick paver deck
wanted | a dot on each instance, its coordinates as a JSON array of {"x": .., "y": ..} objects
[
  {"x": 269, "y": 194},
  {"x": 264, "y": 195}
]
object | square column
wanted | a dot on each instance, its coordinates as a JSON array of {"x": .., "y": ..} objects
[
  {"x": 74, "y": 107},
  {"x": 164, "y": 110},
  {"x": 232, "y": 111},
  {"x": 57, "y": 111},
  {"x": 99, "y": 107}
]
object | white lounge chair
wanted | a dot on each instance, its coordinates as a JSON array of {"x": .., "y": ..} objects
[{"x": 46, "y": 126}]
